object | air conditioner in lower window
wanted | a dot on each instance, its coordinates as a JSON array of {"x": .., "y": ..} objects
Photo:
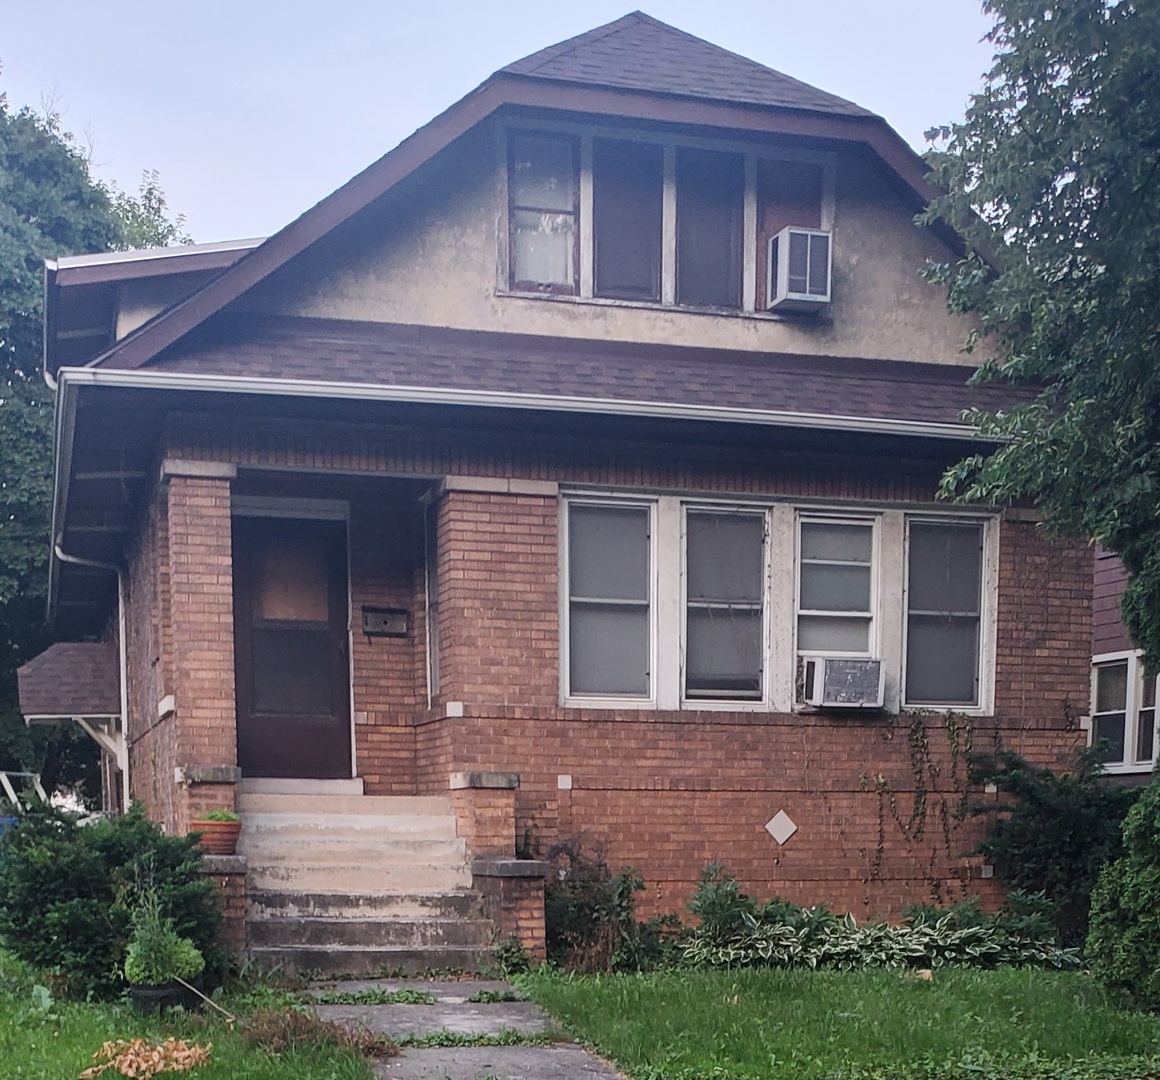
[
  {"x": 798, "y": 270},
  {"x": 837, "y": 682}
]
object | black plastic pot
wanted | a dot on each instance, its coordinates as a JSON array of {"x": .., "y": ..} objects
[{"x": 156, "y": 999}]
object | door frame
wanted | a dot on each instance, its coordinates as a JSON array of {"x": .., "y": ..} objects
[{"x": 291, "y": 508}]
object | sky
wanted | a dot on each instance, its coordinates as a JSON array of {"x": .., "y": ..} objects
[{"x": 253, "y": 110}]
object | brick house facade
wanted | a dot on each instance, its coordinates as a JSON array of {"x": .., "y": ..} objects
[{"x": 591, "y": 534}]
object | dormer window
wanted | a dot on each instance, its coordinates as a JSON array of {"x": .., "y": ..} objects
[{"x": 647, "y": 220}]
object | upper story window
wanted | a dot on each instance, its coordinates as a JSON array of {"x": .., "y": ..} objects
[
  {"x": 1124, "y": 712},
  {"x": 542, "y": 213},
  {"x": 650, "y": 221}
]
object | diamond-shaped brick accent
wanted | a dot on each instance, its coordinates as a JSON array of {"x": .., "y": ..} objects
[{"x": 781, "y": 827}]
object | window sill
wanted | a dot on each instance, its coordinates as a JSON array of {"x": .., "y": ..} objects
[{"x": 808, "y": 318}]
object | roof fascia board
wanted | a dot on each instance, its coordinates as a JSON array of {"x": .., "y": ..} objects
[
  {"x": 180, "y": 262},
  {"x": 499, "y": 91}
]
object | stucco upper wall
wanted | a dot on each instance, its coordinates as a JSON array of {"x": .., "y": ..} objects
[{"x": 427, "y": 253}]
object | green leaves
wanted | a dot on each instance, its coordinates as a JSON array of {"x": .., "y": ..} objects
[{"x": 1056, "y": 170}]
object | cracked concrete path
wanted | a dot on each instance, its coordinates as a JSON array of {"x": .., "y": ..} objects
[{"x": 452, "y": 1012}]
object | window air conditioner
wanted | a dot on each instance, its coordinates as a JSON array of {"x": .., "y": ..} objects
[
  {"x": 798, "y": 270},
  {"x": 835, "y": 682}
]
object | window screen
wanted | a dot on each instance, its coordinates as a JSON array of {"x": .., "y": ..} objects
[
  {"x": 1111, "y": 709},
  {"x": 943, "y": 596},
  {"x": 724, "y": 566},
  {"x": 1146, "y": 722},
  {"x": 542, "y": 192},
  {"x": 608, "y": 600},
  {"x": 627, "y": 185},
  {"x": 834, "y": 587},
  {"x": 710, "y": 203}
]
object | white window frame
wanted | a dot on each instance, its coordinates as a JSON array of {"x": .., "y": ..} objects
[
  {"x": 988, "y": 616},
  {"x": 781, "y": 583},
  {"x": 1132, "y": 705},
  {"x": 750, "y": 152}
]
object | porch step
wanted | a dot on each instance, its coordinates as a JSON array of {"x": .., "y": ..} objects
[
  {"x": 275, "y": 904},
  {"x": 292, "y": 786},
  {"x": 266, "y": 802},
  {"x": 368, "y": 933},
  {"x": 363, "y": 962},
  {"x": 359, "y": 878}
]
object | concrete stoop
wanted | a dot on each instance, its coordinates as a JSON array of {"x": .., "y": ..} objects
[{"x": 341, "y": 883}]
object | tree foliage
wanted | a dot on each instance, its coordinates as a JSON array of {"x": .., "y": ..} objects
[
  {"x": 1056, "y": 172},
  {"x": 50, "y": 205}
]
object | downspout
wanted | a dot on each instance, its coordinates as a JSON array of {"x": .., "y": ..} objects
[{"x": 122, "y": 650}]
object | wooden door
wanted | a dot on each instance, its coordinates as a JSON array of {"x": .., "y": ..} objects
[{"x": 290, "y": 645}]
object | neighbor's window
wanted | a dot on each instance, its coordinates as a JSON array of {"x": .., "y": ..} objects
[
  {"x": 944, "y": 573},
  {"x": 835, "y": 587},
  {"x": 724, "y": 588},
  {"x": 710, "y": 206},
  {"x": 542, "y": 191},
  {"x": 1124, "y": 712},
  {"x": 609, "y": 600},
  {"x": 627, "y": 195}
]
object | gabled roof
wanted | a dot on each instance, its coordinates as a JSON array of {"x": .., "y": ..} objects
[
  {"x": 605, "y": 73},
  {"x": 638, "y": 52}
]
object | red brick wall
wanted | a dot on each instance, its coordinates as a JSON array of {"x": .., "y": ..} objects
[{"x": 877, "y": 802}]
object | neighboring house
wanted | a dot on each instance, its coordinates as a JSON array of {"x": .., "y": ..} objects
[
  {"x": 1123, "y": 705},
  {"x": 569, "y": 472}
]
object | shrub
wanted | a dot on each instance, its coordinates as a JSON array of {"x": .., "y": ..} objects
[
  {"x": 738, "y": 932},
  {"x": 1055, "y": 832},
  {"x": 157, "y": 953},
  {"x": 1124, "y": 941},
  {"x": 590, "y": 915},
  {"x": 67, "y": 893}
]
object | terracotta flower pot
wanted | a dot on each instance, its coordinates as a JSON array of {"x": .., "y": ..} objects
[{"x": 217, "y": 837}]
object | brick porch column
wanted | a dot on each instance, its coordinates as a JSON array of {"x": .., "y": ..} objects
[{"x": 201, "y": 612}]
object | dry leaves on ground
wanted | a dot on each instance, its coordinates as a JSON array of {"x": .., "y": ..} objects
[{"x": 141, "y": 1060}]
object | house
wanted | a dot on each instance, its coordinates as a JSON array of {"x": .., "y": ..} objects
[
  {"x": 569, "y": 472},
  {"x": 1123, "y": 702}
]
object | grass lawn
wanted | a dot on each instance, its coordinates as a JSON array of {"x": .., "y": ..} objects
[
  {"x": 43, "y": 1041},
  {"x": 728, "y": 1025}
]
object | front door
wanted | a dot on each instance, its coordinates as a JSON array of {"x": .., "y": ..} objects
[{"x": 290, "y": 645}]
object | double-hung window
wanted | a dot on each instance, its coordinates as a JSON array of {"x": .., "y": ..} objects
[
  {"x": 835, "y": 601},
  {"x": 1124, "y": 712},
  {"x": 543, "y": 188}
]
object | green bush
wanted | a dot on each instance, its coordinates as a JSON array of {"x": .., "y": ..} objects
[
  {"x": 735, "y": 931},
  {"x": 1123, "y": 944},
  {"x": 1054, "y": 833},
  {"x": 157, "y": 953},
  {"x": 590, "y": 915},
  {"x": 67, "y": 893}
]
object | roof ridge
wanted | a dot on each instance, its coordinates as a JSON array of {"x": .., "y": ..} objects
[{"x": 569, "y": 45}]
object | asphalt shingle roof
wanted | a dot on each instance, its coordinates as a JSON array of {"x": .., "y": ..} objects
[{"x": 638, "y": 52}]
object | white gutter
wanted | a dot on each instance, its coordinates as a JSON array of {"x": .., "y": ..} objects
[
  {"x": 431, "y": 395},
  {"x": 122, "y": 752}
]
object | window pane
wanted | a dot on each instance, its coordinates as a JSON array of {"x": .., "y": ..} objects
[
  {"x": 1146, "y": 735},
  {"x": 544, "y": 248},
  {"x": 289, "y": 583},
  {"x": 608, "y": 650},
  {"x": 942, "y": 656},
  {"x": 608, "y": 556},
  {"x": 543, "y": 173},
  {"x": 710, "y": 201},
  {"x": 835, "y": 588},
  {"x": 292, "y": 672},
  {"x": 819, "y": 263},
  {"x": 799, "y": 262},
  {"x": 823, "y": 633},
  {"x": 1111, "y": 687},
  {"x": 1149, "y": 698},
  {"x": 945, "y": 567},
  {"x": 834, "y": 542},
  {"x": 627, "y": 184},
  {"x": 724, "y": 556},
  {"x": 1111, "y": 728},
  {"x": 723, "y": 654}
]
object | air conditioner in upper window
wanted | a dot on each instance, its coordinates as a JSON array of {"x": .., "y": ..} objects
[
  {"x": 837, "y": 682},
  {"x": 798, "y": 270}
]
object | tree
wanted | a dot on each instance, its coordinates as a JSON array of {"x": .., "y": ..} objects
[
  {"x": 1055, "y": 172},
  {"x": 50, "y": 205}
]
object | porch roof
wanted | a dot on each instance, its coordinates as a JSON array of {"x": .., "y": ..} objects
[{"x": 71, "y": 679}]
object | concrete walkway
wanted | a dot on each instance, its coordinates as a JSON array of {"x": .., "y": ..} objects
[{"x": 453, "y": 1013}]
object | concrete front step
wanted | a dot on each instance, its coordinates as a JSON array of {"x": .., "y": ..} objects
[
  {"x": 352, "y": 878},
  {"x": 315, "y": 826},
  {"x": 375, "y": 933},
  {"x": 365, "y": 851},
  {"x": 365, "y": 961},
  {"x": 268, "y": 803},
  {"x": 263, "y": 904}
]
